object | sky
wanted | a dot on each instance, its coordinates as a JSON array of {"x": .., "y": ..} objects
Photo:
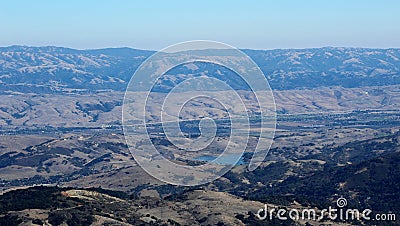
[{"x": 151, "y": 24}]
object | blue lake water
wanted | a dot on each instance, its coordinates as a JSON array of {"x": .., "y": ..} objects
[{"x": 224, "y": 160}]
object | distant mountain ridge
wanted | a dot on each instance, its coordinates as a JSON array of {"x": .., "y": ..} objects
[{"x": 50, "y": 69}]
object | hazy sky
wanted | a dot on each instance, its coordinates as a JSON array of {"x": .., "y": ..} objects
[{"x": 245, "y": 24}]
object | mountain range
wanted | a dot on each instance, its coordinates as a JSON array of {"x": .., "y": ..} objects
[{"x": 51, "y": 69}]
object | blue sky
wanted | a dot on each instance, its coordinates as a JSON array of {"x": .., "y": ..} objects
[{"x": 245, "y": 24}]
